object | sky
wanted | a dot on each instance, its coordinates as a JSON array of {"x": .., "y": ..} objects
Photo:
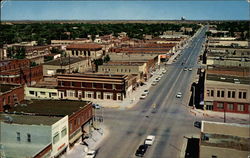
[{"x": 125, "y": 10}]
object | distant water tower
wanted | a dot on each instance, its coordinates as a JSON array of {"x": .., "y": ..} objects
[{"x": 183, "y": 18}]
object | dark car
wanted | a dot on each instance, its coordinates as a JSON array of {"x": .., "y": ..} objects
[
  {"x": 141, "y": 150},
  {"x": 197, "y": 124}
]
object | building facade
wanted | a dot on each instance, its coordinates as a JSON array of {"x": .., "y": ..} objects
[
  {"x": 91, "y": 50},
  {"x": 33, "y": 136},
  {"x": 93, "y": 86},
  {"x": 10, "y": 95},
  {"x": 19, "y": 71},
  {"x": 66, "y": 65}
]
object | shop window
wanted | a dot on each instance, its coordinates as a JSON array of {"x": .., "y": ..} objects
[
  {"x": 230, "y": 106},
  {"x": 241, "y": 107},
  {"x": 220, "y": 106}
]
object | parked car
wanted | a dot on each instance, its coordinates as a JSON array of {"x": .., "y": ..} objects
[
  {"x": 157, "y": 79},
  {"x": 154, "y": 83},
  {"x": 190, "y": 69},
  {"x": 91, "y": 154},
  {"x": 141, "y": 150},
  {"x": 96, "y": 106},
  {"x": 185, "y": 69},
  {"x": 179, "y": 95},
  {"x": 164, "y": 71},
  {"x": 143, "y": 96},
  {"x": 146, "y": 91},
  {"x": 197, "y": 124},
  {"x": 150, "y": 140}
]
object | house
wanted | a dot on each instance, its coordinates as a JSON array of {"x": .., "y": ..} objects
[
  {"x": 10, "y": 94},
  {"x": 33, "y": 136},
  {"x": 95, "y": 86},
  {"x": 66, "y": 64},
  {"x": 224, "y": 140}
]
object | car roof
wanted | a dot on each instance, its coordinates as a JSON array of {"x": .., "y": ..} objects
[
  {"x": 150, "y": 136},
  {"x": 91, "y": 151}
]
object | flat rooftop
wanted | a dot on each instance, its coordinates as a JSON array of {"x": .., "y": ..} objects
[
  {"x": 7, "y": 87},
  {"x": 228, "y": 79},
  {"x": 122, "y": 63},
  {"x": 65, "y": 61},
  {"x": 28, "y": 119},
  {"x": 49, "y": 107},
  {"x": 225, "y": 135}
]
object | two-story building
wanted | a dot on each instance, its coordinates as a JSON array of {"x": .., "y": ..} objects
[
  {"x": 33, "y": 136},
  {"x": 95, "y": 86}
]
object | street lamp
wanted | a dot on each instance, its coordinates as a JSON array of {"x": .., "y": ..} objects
[{"x": 193, "y": 96}]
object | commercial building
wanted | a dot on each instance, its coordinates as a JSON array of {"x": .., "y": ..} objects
[
  {"x": 95, "y": 86},
  {"x": 33, "y": 136},
  {"x": 19, "y": 71},
  {"x": 85, "y": 50},
  {"x": 10, "y": 94},
  {"x": 79, "y": 114},
  {"x": 140, "y": 69},
  {"x": 42, "y": 90},
  {"x": 224, "y": 140},
  {"x": 226, "y": 93},
  {"x": 66, "y": 65}
]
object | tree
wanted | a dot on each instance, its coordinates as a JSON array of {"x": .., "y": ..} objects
[
  {"x": 98, "y": 62},
  {"x": 106, "y": 59}
]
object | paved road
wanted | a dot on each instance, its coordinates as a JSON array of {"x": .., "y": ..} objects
[{"x": 169, "y": 121}]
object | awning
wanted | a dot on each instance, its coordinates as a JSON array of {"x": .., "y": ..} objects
[{"x": 74, "y": 138}]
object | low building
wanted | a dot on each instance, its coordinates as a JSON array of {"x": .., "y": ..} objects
[
  {"x": 79, "y": 114},
  {"x": 117, "y": 67},
  {"x": 66, "y": 64},
  {"x": 42, "y": 90},
  {"x": 224, "y": 140},
  {"x": 10, "y": 94},
  {"x": 92, "y": 50},
  {"x": 94, "y": 86},
  {"x": 33, "y": 136}
]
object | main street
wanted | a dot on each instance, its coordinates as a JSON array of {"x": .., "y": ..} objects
[{"x": 170, "y": 121}]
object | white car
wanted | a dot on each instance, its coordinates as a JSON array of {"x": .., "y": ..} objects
[
  {"x": 91, "y": 154},
  {"x": 179, "y": 95},
  {"x": 150, "y": 140},
  {"x": 185, "y": 69},
  {"x": 157, "y": 79},
  {"x": 164, "y": 71},
  {"x": 146, "y": 91},
  {"x": 190, "y": 69},
  {"x": 143, "y": 96}
]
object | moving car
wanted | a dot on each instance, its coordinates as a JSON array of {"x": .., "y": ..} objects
[
  {"x": 157, "y": 79},
  {"x": 185, "y": 69},
  {"x": 91, "y": 154},
  {"x": 179, "y": 95},
  {"x": 150, "y": 140},
  {"x": 197, "y": 124},
  {"x": 141, "y": 150},
  {"x": 143, "y": 96}
]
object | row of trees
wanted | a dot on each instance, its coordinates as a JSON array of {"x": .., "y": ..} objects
[{"x": 45, "y": 32}]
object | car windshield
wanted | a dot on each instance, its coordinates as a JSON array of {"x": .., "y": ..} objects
[{"x": 90, "y": 154}]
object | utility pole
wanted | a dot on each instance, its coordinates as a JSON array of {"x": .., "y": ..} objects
[{"x": 193, "y": 97}]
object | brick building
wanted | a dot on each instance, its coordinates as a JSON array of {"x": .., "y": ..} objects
[
  {"x": 94, "y": 86},
  {"x": 19, "y": 71},
  {"x": 10, "y": 95},
  {"x": 85, "y": 50}
]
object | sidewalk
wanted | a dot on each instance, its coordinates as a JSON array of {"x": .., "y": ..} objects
[
  {"x": 94, "y": 141},
  {"x": 230, "y": 117}
]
